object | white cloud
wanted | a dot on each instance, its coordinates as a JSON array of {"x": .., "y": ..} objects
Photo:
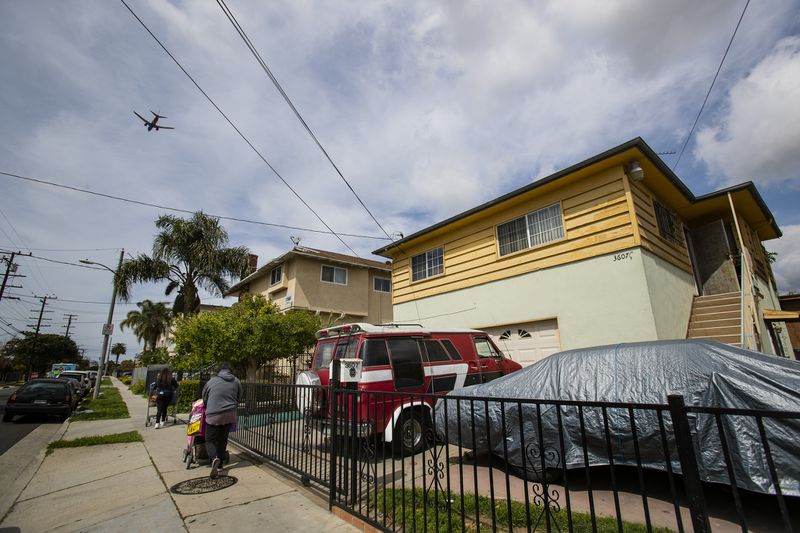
[
  {"x": 759, "y": 133},
  {"x": 787, "y": 265},
  {"x": 429, "y": 108}
]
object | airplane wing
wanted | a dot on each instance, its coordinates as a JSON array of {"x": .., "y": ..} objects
[
  {"x": 159, "y": 126},
  {"x": 141, "y": 117}
]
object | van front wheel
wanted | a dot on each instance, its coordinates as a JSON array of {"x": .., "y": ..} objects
[{"x": 408, "y": 436}]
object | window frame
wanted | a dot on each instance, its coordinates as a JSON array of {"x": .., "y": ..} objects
[
  {"x": 334, "y": 268},
  {"x": 384, "y": 279},
  {"x": 279, "y": 269},
  {"x": 427, "y": 265},
  {"x": 528, "y": 232},
  {"x": 675, "y": 240}
]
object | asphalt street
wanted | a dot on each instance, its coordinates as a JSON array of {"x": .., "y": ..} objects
[{"x": 13, "y": 432}]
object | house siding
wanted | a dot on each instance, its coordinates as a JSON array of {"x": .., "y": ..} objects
[
  {"x": 596, "y": 301},
  {"x": 597, "y": 221}
]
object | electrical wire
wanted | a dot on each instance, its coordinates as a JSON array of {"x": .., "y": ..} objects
[
  {"x": 719, "y": 68},
  {"x": 250, "y": 144},
  {"x": 177, "y": 209},
  {"x": 65, "y": 249},
  {"x": 41, "y": 280},
  {"x": 55, "y": 261},
  {"x": 240, "y": 30}
]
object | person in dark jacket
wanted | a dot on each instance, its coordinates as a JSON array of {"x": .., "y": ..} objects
[
  {"x": 221, "y": 396},
  {"x": 165, "y": 387}
]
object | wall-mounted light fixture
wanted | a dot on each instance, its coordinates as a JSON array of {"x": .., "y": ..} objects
[{"x": 634, "y": 171}]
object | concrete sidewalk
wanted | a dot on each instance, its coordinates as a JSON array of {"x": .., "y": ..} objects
[{"x": 125, "y": 487}]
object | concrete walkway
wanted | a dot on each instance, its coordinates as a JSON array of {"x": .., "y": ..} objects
[{"x": 125, "y": 487}]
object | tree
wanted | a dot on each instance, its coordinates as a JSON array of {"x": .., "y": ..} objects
[
  {"x": 248, "y": 334},
  {"x": 149, "y": 323},
  {"x": 127, "y": 365},
  {"x": 190, "y": 254},
  {"x": 42, "y": 351},
  {"x": 155, "y": 356},
  {"x": 118, "y": 349}
]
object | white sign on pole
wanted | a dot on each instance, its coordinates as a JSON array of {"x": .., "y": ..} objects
[{"x": 108, "y": 329}]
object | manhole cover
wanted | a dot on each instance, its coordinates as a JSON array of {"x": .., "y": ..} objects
[{"x": 201, "y": 485}]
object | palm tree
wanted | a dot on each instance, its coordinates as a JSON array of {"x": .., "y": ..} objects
[
  {"x": 118, "y": 349},
  {"x": 190, "y": 254},
  {"x": 149, "y": 323}
]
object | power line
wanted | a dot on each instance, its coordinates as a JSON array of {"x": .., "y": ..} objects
[
  {"x": 697, "y": 118},
  {"x": 66, "y": 249},
  {"x": 177, "y": 209},
  {"x": 76, "y": 301},
  {"x": 44, "y": 285},
  {"x": 240, "y": 30},
  {"x": 250, "y": 144},
  {"x": 59, "y": 262}
]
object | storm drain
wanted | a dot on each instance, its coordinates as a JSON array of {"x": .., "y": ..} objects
[{"x": 201, "y": 485}]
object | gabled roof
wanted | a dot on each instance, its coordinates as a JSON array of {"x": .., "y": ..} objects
[
  {"x": 321, "y": 255},
  {"x": 645, "y": 150}
]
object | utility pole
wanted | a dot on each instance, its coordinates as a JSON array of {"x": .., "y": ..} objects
[
  {"x": 38, "y": 326},
  {"x": 69, "y": 318},
  {"x": 11, "y": 268},
  {"x": 108, "y": 327}
]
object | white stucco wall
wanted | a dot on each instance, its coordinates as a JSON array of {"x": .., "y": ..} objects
[
  {"x": 671, "y": 291},
  {"x": 603, "y": 300}
]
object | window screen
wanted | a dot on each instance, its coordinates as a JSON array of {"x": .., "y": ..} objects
[
  {"x": 406, "y": 363},
  {"x": 512, "y": 236},
  {"x": 539, "y": 227},
  {"x": 382, "y": 284},
  {"x": 374, "y": 353},
  {"x": 435, "y": 351},
  {"x": 275, "y": 275},
  {"x": 334, "y": 275},
  {"x": 668, "y": 225},
  {"x": 427, "y": 265}
]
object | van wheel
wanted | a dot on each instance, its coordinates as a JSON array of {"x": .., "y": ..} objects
[{"x": 408, "y": 436}]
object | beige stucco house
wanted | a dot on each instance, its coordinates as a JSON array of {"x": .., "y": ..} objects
[
  {"x": 340, "y": 288},
  {"x": 613, "y": 249}
]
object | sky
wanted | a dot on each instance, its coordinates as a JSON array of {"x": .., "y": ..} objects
[{"x": 427, "y": 108}]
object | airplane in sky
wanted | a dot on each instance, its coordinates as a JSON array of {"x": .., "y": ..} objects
[{"x": 153, "y": 124}]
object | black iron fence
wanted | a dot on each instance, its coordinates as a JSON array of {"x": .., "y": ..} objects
[{"x": 418, "y": 462}]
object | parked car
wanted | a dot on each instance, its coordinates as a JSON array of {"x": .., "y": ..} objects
[
  {"x": 46, "y": 396},
  {"x": 637, "y": 377},
  {"x": 403, "y": 358},
  {"x": 81, "y": 377}
]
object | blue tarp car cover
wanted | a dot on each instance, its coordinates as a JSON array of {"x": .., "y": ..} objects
[{"x": 540, "y": 437}]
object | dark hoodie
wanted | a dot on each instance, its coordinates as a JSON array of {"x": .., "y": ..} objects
[{"x": 222, "y": 393}]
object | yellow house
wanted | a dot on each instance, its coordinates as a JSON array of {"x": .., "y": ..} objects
[
  {"x": 613, "y": 249},
  {"x": 341, "y": 288}
]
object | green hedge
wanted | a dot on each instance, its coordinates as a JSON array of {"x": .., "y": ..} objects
[
  {"x": 138, "y": 387},
  {"x": 126, "y": 380},
  {"x": 188, "y": 392}
]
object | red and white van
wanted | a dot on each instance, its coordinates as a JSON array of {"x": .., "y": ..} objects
[{"x": 401, "y": 358}]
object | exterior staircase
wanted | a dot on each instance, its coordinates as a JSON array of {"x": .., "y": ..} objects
[{"x": 717, "y": 317}]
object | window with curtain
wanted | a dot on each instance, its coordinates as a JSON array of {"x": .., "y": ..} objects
[{"x": 539, "y": 227}]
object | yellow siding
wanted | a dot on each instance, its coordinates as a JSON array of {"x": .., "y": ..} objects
[
  {"x": 651, "y": 239},
  {"x": 596, "y": 218},
  {"x": 753, "y": 244}
]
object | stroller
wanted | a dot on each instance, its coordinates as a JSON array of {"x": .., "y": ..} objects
[{"x": 195, "y": 451}]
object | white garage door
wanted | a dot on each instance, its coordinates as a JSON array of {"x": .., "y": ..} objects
[{"x": 528, "y": 342}]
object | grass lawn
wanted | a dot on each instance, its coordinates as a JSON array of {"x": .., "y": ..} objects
[
  {"x": 420, "y": 514},
  {"x": 108, "y": 406},
  {"x": 94, "y": 440}
]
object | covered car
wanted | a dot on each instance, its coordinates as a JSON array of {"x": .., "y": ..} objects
[{"x": 539, "y": 436}]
